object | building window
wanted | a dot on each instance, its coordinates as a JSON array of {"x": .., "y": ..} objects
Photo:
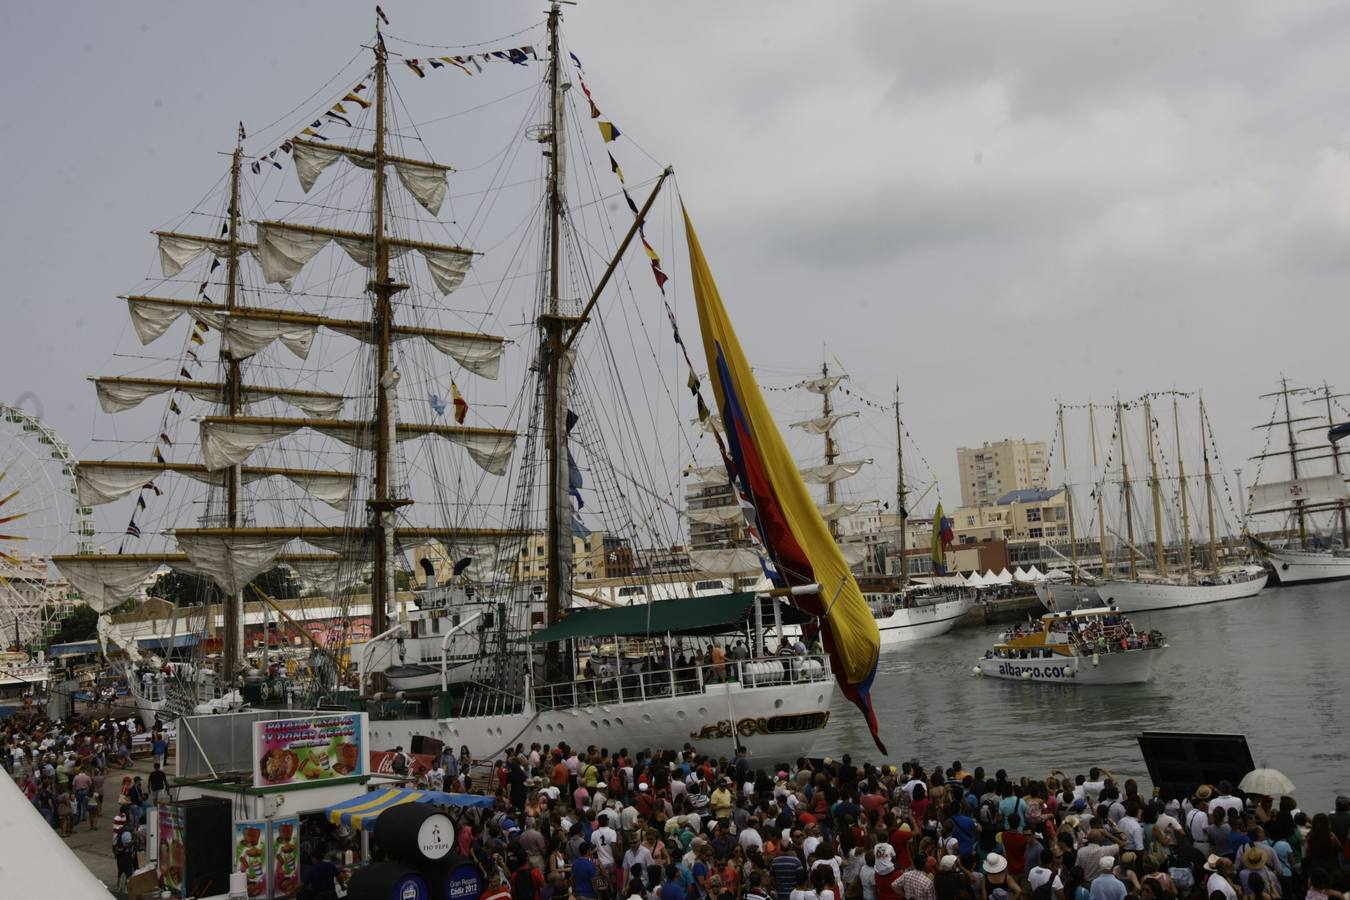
[
  {"x": 1034, "y": 532},
  {"x": 1033, "y": 515}
]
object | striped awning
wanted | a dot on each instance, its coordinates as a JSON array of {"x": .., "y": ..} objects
[{"x": 362, "y": 811}]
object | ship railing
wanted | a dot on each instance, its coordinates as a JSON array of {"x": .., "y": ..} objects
[{"x": 638, "y": 684}]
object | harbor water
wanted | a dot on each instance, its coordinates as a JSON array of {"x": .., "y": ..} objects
[{"x": 1272, "y": 667}]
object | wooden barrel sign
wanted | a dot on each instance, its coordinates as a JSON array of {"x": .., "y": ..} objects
[
  {"x": 388, "y": 881},
  {"x": 415, "y": 833}
]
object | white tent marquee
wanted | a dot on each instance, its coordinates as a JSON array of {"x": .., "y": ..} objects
[
  {"x": 36, "y": 862},
  {"x": 1005, "y": 577}
]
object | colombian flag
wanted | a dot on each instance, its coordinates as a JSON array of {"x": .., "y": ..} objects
[{"x": 790, "y": 525}]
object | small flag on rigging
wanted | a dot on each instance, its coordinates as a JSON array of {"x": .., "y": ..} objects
[{"x": 461, "y": 405}]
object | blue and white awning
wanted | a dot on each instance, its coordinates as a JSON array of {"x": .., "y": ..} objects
[{"x": 362, "y": 811}]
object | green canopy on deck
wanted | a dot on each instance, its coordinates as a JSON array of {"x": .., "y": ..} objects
[{"x": 716, "y": 614}]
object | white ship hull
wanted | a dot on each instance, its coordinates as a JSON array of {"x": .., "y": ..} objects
[
  {"x": 775, "y": 724},
  {"x": 1058, "y": 597},
  {"x": 1130, "y": 667},
  {"x": 914, "y": 623},
  {"x": 1142, "y": 596},
  {"x": 1304, "y": 566}
]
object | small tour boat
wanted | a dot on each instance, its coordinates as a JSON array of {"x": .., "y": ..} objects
[{"x": 1082, "y": 646}]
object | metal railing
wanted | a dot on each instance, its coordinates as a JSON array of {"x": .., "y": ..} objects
[{"x": 633, "y": 682}]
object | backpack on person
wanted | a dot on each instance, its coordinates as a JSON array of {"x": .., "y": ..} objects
[{"x": 988, "y": 813}]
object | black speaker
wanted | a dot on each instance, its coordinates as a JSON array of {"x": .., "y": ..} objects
[
  {"x": 428, "y": 746},
  {"x": 1184, "y": 760},
  {"x": 208, "y": 840}
]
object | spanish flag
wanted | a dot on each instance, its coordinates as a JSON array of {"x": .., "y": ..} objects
[
  {"x": 794, "y": 534},
  {"x": 461, "y": 405}
]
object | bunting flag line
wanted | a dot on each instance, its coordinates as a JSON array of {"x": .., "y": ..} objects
[
  {"x": 383, "y": 18},
  {"x": 196, "y": 338},
  {"x": 164, "y": 439},
  {"x": 140, "y": 502},
  {"x": 519, "y": 56},
  {"x": 132, "y": 529},
  {"x": 608, "y": 131},
  {"x": 173, "y": 408},
  {"x": 437, "y": 404},
  {"x": 154, "y": 487},
  {"x": 614, "y": 167},
  {"x": 159, "y": 457}
]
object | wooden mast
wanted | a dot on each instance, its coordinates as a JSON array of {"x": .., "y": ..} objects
[
  {"x": 1336, "y": 465},
  {"x": 234, "y": 603},
  {"x": 900, "y": 513},
  {"x": 1185, "y": 503},
  {"x": 384, "y": 504},
  {"x": 559, "y": 538},
  {"x": 1293, "y": 459},
  {"x": 1155, "y": 488},
  {"x": 831, "y": 451},
  {"x": 1125, "y": 482},
  {"x": 1101, "y": 518},
  {"x": 1068, "y": 499},
  {"x": 1209, "y": 489}
]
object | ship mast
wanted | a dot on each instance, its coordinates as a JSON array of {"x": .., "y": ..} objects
[
  {"x": 234, "y": 601},
  {"x": 1156, "y": 489},
  {"x": 831, "y": 451},
  {"x": 1185, "y": 503},
  {"x": 1336, "y": 466},
  {"x": 900, "y": 513},
  {"x": 1068, "y": 499},
  {"x": 384, "y": 504},
  {"x": 552, "y": 322},
  {"x": 1125, "y": 482},
  {"x": 1101, "y": 517},
  {"x": 1209, "y": 489},
  {"x": 1293, "y": 460}
]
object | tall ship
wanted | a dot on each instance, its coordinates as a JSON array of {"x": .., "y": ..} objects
[
  {"x": 423, "y": 393},
  {"x": 1313, "y": 503},
  {"x": 1155, "y": 577}
]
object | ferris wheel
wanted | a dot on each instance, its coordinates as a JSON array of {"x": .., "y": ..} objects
[{"x": 38, "y": 516}]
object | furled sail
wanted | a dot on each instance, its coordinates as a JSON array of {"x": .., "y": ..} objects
[
  {"x": 231, "y": 559},
  {"x": 97, "y": 483},
  {"x": 828, "y": 474},
  {"x": 1282, "y": 494},
  {"x": 425, "y": 181},
  {"x": 284, "y": 248},
  {"x": 119, "y": 394},
  {"x": 177, "y": 250},
  {"x": 794, "y": 534},
  {"x": 107, "y": 581},
  {"x": 822, "y": 424},
  {"x": 733, "y": 559},
  {"x": 228, "y": 440},
  {"x": 717, "y": 515},
  {"x": 823, "y": 385},
  {"x": 249, "y": 329},
  {"x": 707, "y": 474},
  {"x": 832, "y": 511}
]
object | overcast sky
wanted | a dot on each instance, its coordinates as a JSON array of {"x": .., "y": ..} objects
[{"x": 997, "y": 203}]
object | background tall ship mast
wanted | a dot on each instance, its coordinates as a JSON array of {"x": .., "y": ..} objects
[
  {"x": 1313, "y": 543},
  {"x": 1160, "y": 570},
  {"x": 346, "y": 493}
]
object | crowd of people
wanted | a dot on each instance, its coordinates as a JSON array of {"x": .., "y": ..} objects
[
  {"x": 592, "y": 825},
  {"x": 68, "y": 770}
]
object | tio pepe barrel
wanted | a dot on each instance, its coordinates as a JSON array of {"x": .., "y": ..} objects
[{"x": 415, "y": 833}]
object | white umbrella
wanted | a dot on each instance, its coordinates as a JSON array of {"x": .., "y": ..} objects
[{"x": 1267, "y": 783}]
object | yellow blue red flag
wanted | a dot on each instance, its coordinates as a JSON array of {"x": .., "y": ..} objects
[{"x": 795, "y": 536}]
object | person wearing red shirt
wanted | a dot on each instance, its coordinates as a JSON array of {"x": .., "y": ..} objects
[
  {"x": 496, "y": 889},
  {"x": 900, "y": 840}
]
